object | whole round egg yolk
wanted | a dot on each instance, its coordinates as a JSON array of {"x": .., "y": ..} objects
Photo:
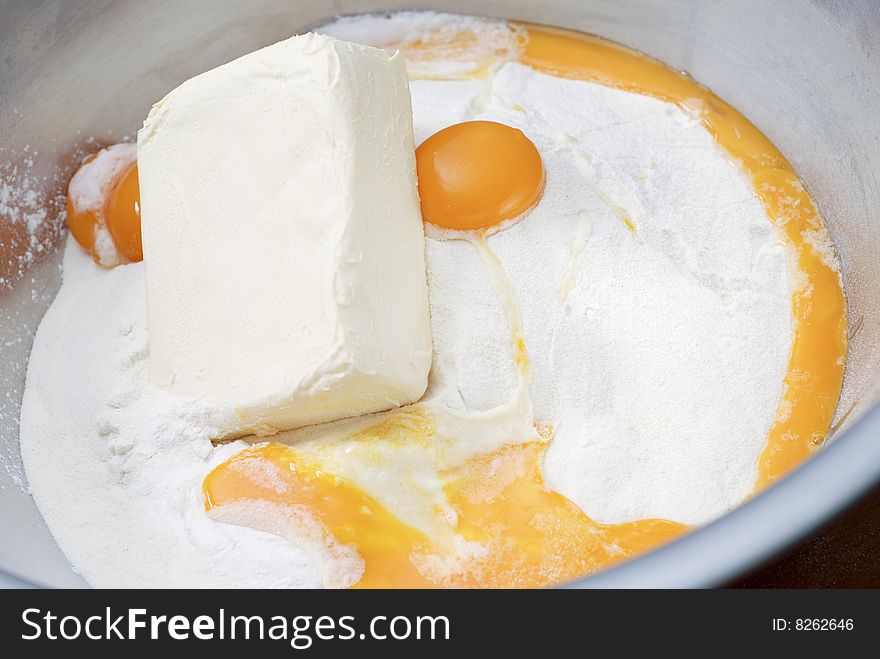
[
  {"x": 123, "y": 215},
  {"x": 477, "y": 174}
]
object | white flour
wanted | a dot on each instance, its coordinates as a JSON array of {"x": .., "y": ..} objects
[
  {"x": 671, "y": 348},
  {"x": 27, "y": 210},
  {"x": 32, "y": 220},
  {"x": 116, "y": 465},
  {"x": 658, "y": 355}
]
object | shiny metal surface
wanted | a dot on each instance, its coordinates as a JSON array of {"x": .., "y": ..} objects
[{"x": 806, "y": 72}]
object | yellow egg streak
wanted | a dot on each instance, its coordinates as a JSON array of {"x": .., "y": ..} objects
[
  {"x": 530, "y": 535},
  {"x": 815, "y": 368}
]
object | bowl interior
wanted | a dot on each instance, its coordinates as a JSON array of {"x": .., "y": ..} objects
[{"x": 74, "y": 73}]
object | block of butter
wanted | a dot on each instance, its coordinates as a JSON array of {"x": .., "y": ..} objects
[{"x": 283, "y": 242}]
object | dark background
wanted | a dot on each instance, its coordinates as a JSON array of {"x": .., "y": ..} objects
[{"x": 844, "y": 554}]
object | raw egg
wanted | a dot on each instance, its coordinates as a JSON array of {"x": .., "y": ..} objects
[
  {"x": 103, "y": 206},
  {"x": 82, "y": 219},
  {"x": 521, "y": 533},
  {"x": 477, "y": 174},
  {"x": 123, "y": 215}
]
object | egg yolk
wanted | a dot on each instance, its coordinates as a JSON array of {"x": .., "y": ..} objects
[
  {"x": 473, "y": 176},
  {"x": 123, "y": 216},
  {"x": 532, "y": 536},
  {"x": 82, "y": 222},
  {"x": 119, "y": 216},
  {"x": 816, "y": 365},
  {"x": 477, "y": 174}
]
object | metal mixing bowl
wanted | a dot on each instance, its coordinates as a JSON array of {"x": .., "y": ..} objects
[{"x": 806, "y": 72}]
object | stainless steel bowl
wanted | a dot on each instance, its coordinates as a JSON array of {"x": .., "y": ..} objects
[{"x": 806, "y": 72}]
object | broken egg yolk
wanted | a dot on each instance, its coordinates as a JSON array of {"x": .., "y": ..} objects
[
  {"x": 522, "y": 534},
  {"x": 477, "y": 174}
]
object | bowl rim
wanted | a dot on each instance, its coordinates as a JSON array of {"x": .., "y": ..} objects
[{"x": 763, "y": 527}]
